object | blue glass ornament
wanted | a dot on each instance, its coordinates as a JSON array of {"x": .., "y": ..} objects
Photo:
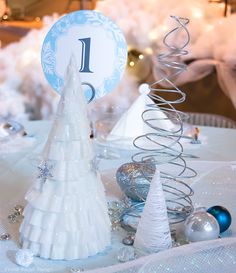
[{"x": 222, "y": 216}]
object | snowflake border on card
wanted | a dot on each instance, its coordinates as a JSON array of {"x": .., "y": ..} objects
[
  {"x": 82, "y": 18},
  {"x": 48, "y": 60}
]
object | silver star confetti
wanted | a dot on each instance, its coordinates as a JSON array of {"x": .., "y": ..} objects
[{"x": 44, "y": 171}]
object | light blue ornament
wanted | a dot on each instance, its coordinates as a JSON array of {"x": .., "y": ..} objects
[
  {"x": 134, "y": 179},
  {"x": 222, "y": 216}
]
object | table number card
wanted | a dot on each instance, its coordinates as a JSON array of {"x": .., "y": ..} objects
[{"x": 96, "y": 42}]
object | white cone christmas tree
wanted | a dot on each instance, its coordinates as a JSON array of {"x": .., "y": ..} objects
[
  {"x": 153, "y": 232},
  {"x": 66, "y": 216},
  {"x": 131, "y": 124}
]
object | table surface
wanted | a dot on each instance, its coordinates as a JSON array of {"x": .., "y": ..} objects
[{"x": 215, "y": 184}]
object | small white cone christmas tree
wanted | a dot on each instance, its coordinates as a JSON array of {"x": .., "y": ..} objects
[
  {"x": 66, "y": 216},
  {"x": 153, "y": 232}
]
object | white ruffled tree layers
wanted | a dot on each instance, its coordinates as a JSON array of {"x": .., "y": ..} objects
[
  {"x": 153, "y": 232},
  {"x": 66, "y": 216}
]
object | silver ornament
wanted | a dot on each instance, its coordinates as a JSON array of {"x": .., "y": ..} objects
[
  {"x": 201, "y": 226},
  {"x": 128, "y": 240},
  {"x": 134, "y": 179},
  {"x": 11, "y": 129},
  {"x": 5, "y": 237}
]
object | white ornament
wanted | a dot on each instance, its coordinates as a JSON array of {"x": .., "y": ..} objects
[
  {"x": 66, "y": 216},
  {"x": 24, "y": 257},
  {"x": 201, "y": 226},
  {"x": 153, "y": 232},
  {"x": 144, "y": 88}
]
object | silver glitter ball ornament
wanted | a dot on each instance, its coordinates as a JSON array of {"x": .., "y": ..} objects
[
  {"x": 201, "y": 226},
  {"x": 134, "y": 179}
]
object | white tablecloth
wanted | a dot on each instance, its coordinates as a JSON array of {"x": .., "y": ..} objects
[{"x": 215, "y": 185}]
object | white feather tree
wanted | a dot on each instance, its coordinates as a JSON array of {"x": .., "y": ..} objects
[
  {"x": 153, "y": 232},
  {"x": 66, "y": 216}
]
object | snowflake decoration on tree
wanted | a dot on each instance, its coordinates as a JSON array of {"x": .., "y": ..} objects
[{"x": 44, "y": 171}]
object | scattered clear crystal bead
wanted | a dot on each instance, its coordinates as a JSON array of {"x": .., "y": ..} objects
[
  {"x": 76, "y": 270},
  {"x": 19, "y": 209},
  {"x": 12, "y": 218},
  {"x": 126, "y": 254}
]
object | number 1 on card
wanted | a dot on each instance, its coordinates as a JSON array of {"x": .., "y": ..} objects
[{"x": 85, "y": 55}]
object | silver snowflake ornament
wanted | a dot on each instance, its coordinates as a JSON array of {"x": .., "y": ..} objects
[{"x": 45, "y": 171}]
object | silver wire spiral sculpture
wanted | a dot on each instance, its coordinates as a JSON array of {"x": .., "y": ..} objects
[{"x": 162, "y": 148}]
